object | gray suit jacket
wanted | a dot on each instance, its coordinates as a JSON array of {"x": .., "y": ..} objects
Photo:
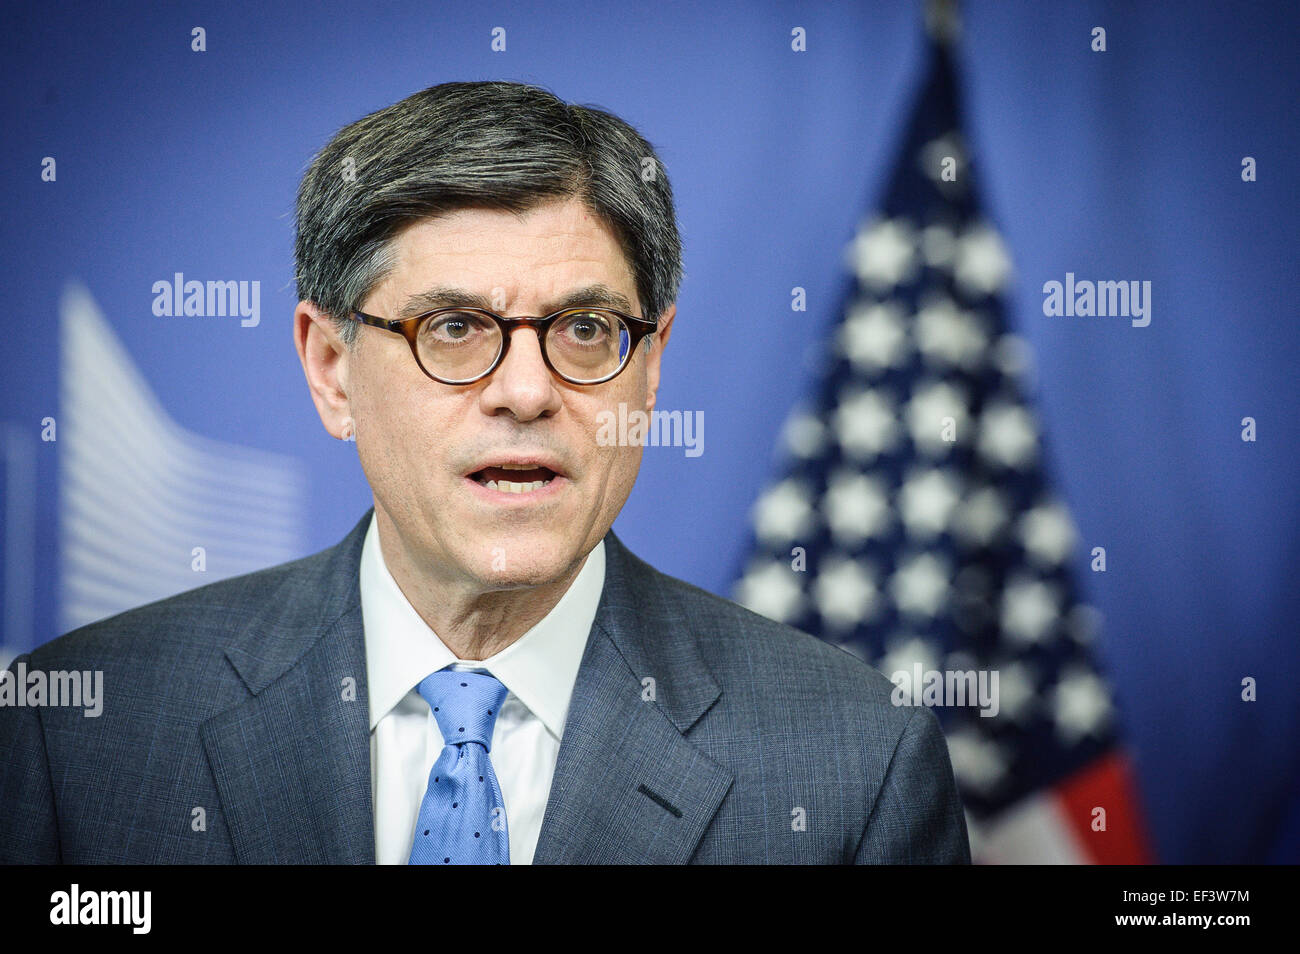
[{"x": 755, "y": 743}]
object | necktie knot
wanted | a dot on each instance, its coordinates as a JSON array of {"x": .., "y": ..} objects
[{"x": 465, "y": 704}]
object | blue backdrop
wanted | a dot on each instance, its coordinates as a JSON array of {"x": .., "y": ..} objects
[{"x": 1124, "y": 164}]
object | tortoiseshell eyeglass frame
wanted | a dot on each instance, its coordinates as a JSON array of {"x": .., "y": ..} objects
[{"x": 409, "y": 328}]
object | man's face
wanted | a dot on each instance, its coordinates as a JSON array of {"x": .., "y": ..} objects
[{"x": 423, "y": 445}]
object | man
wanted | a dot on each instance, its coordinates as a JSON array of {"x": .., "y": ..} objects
[{"x": 480, "y": 672}]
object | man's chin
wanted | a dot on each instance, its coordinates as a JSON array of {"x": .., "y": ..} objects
[{"x": 518, "y": 560}]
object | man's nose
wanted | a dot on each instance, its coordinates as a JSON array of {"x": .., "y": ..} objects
[{"x": 522, "y": 384}]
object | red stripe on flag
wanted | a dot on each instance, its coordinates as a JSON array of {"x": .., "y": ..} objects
[{"x": 1107, "y": 783}]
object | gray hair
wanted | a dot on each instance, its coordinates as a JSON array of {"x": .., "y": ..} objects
[{"x": 491, "y": 145}]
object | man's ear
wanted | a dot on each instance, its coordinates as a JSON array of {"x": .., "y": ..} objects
[
  {"x": 660, "y": 340},
  {"x": 324, "y": 359}
]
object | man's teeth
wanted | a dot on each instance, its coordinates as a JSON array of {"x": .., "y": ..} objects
[{"x": 510, "y": 487}]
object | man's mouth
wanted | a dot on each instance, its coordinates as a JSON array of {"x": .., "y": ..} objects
[{"x": 513, "y": 479}]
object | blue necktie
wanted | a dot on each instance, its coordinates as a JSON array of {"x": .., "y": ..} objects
[{"x": 463, "y": 817}]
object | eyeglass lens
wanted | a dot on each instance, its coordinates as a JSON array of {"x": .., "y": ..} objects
[{"x": 582, "y": 345}]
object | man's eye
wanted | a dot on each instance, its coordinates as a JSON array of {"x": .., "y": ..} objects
[
  {"x": 455, "y": 327},
  {"x": 586, "y": 329}
]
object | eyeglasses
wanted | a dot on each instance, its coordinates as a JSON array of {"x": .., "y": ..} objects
[{"x": 460, "y": 345}]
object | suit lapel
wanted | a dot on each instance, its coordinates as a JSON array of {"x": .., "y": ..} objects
[
  {"x": 628, "y": 787},
  {"x": 292, "y": 763}
]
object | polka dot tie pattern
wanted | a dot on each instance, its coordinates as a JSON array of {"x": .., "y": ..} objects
[{"x": 462, "y": 817}]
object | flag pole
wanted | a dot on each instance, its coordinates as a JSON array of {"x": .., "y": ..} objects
[{"x": 943, "y": 21}]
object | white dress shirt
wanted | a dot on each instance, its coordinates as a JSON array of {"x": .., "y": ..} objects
[{"x": 538, "y": 669}]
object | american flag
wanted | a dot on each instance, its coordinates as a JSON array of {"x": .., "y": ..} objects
[{"x": 913, "y": 521}]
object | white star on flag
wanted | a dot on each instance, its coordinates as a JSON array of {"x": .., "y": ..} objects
[
  {"x": 926, "y": 414},
  {"x": 983, "y": 265},
  {"x": 1007, "y": 435},
  {"x": 873, "y": 337},
  {"x": 772, "y": 590},
  {"x": 1047, "y": 534},
  {"x": 948, "y": 334},
  {"x": 938, "y": 246},
  {"x": 845, "y": 592},
  {"x": 936, "y": 151},
  {"x": 904, "y": 653},
  {"x": 1016, "y": 692},
  {"x": 784, "y": 513},
  {"x": 1029, "y": 608},
  {"x": 983, "y": 515},
  {"x": 920, "y": 584},
  {"x": 866, "y": 424},
  {"x": 856, "y": 507},
  {"x": 1081, "y": 705},
  {"x": 977, "y": 760},
  {"x": 804, "y": 435},
  {"x": 926, "y": 501},
  {"x": 883, "y": 254}
]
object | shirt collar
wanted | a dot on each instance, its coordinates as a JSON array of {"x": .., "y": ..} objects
[{"x": 539, "y": 668}]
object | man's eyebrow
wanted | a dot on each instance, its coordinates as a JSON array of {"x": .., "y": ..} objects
[
  {"x": 595, "y": 295},
  {"x": 444, "y": 296}
]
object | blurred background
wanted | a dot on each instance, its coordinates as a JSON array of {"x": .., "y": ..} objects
[{"x": 870, "y": 211}]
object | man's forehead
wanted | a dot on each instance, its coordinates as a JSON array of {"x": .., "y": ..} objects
[
  {"x": 557, "y": 254},
  {"x": 565, "y": 221}
]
